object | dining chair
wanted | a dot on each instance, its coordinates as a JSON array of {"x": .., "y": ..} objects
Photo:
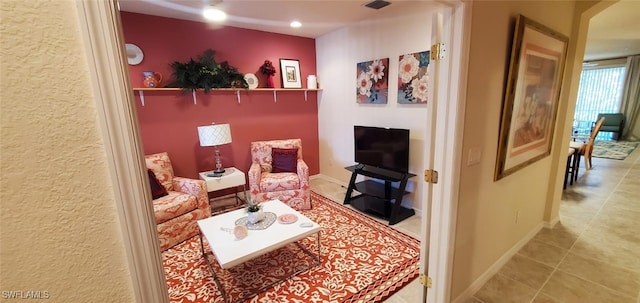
[{"x": 586, "y": 148}]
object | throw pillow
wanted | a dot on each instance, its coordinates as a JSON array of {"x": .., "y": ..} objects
[
  {"x": 284, "y": 160},
  {"x": 157, "y": 190}
]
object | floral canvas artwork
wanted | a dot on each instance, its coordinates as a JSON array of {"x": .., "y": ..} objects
[
  {"x": 373, "y": 82},
  {"x": 413, "y": 78}
]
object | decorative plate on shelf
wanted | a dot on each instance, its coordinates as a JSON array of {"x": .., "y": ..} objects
[
  {"x": 252, "y": 80},
  {"x": 287, "y": 218},
  {"x": 134, "y": 54}
]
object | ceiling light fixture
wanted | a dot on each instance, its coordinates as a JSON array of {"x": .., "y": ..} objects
[
  {"x": 213, "y": 14},
  {"x": 296, "y": 24}
]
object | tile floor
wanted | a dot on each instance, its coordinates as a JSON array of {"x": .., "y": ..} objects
[{"x": 591, "y": 255}]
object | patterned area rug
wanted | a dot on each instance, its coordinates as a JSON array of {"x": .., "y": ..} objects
[
  {"x": 362, "y": 261},
  {"x": 613, "y": 150}
]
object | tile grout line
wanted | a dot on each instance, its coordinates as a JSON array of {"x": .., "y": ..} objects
[{"x": 556, "y": 268}]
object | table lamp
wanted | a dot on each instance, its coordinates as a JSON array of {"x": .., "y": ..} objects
[{"x": 215, "y": 135}]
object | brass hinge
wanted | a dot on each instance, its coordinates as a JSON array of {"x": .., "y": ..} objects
[
  {"x": 431, "y": 176},
  {"x": 425, "y": 281},
  {"x": 437, "y": 51}
]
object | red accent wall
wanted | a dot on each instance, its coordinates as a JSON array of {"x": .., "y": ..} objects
[{"x": 168, "y": 121}]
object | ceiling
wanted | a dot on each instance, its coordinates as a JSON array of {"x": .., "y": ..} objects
[
  {"x": 613, "y": 33},
  {"x": 317, "y": 17}
]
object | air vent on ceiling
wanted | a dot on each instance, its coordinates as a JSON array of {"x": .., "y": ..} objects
[{"x": 377, "y": 4}]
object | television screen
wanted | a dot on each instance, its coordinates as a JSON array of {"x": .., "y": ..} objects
[{"x": 382, "y": 147}]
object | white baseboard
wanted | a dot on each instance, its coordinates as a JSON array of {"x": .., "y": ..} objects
[
  {"x": 552, "y": 223},
  {"x": 496, "y": 266},
  {"x": 331, "y": 179}
]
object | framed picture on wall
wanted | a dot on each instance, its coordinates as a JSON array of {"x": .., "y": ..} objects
[
  {"x": 372, "y": 81},
  {"x": 531, "y": 97},
  {"x": 290, "y": 71}
]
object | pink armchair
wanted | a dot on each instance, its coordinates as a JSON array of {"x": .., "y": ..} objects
[
  {"x": 292, "y": 188},
  {"x": 185, "y": 203}
]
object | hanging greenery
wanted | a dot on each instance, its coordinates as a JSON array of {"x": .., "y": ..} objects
[{"x": 206, "y": 74}]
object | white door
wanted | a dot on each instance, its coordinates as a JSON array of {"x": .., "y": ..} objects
[{"x": 443, "y": 152}]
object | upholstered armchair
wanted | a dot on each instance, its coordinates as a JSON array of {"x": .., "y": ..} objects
[
  {"x": 613, "y": 123},
  {"x": 278, "y": 172},
  {"x": 178, "y": 202}
]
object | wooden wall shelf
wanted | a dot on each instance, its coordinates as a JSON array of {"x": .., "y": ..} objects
[{"x": 275, "y": 91}]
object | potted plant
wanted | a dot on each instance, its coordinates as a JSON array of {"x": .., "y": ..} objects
[
  {"x": 254, "y": 213},
  {"x": 206, "y": 74}
]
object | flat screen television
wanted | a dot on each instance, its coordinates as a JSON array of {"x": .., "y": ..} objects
[{"x": 382, "y": 147}]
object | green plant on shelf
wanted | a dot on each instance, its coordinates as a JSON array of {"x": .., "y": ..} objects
[{"x": 206, "y": 74}]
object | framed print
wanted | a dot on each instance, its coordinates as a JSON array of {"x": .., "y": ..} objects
[
  {"x": 372, "y": 81},
  {"x": 413, "y": 78},
  {"x": 290, "y": 71},
  {"x": 531, "y": 96}
]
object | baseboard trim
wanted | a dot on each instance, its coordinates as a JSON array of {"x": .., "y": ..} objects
[
  {"x": 552, "y": 223},
  {"x": 325, "y": 177},
  {"x": 496, "y": 266}
]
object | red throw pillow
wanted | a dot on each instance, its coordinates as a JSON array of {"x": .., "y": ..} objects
[
  {"x": 285, "y": 160},
  {"x": 157, "y": 190}
]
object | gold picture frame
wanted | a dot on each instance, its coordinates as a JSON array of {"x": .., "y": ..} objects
[{"x": 530, "y": 104}]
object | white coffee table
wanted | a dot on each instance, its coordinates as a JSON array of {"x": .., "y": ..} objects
[{"x": 230, "y": 252}]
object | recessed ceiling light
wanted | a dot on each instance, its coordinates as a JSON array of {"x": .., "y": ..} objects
[
  {"x": 296, "y": 24},
  {"x": 213, "y": 14}
]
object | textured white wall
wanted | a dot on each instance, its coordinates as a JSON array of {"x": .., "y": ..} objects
[
  {"x": 59, "y": 226},
  {"x": 394, "y": 31}
]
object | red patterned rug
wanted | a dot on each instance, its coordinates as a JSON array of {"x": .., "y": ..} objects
[{"x": 362, "y": 261}]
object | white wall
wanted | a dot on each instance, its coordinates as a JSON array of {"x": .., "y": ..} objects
[{"x": 398, "y": 29}]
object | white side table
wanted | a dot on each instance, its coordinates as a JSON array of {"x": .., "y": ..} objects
[{"x": 232, "y": 177}]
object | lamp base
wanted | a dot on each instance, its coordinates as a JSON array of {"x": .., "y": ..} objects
[
  {"x": 215, "y": 175},
  {"x": 219, "y": 171}
]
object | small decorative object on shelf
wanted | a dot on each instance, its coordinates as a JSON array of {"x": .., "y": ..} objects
[
  {"x": 290, "y": 72},
  {"x": 254, "y": 213},
  {"x": 206, "y": 74},
  {"x": 151, "y": 79},
  {"x": 268, "y": 69}
]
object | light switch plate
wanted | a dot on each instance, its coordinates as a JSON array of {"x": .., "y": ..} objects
[{"x": 474, "y": 156}]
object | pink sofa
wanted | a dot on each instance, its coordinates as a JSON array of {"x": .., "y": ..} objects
[
  {"x": 186, "y": 202},
  {"x": 292, "y": 188}
]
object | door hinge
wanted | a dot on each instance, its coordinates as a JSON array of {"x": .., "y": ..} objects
[
  {"x": 437, "y": 51},
  {"x": 425, "y": 281},
  {"x": 431, "y": 176}
]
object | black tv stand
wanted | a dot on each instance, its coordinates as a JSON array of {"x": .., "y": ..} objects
[{"x": 382, "y": 200}]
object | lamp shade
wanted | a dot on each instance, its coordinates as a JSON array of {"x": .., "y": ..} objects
[{"x": 215, "y": 134}]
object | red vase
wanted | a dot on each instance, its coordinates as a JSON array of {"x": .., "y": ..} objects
[{"x": 270, "y": 81}]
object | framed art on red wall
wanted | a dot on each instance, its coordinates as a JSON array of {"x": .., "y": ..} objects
[{"x": 290, "y": 71}]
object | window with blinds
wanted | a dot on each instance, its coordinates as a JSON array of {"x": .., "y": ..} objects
[{"x": 600, "y": 91}]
